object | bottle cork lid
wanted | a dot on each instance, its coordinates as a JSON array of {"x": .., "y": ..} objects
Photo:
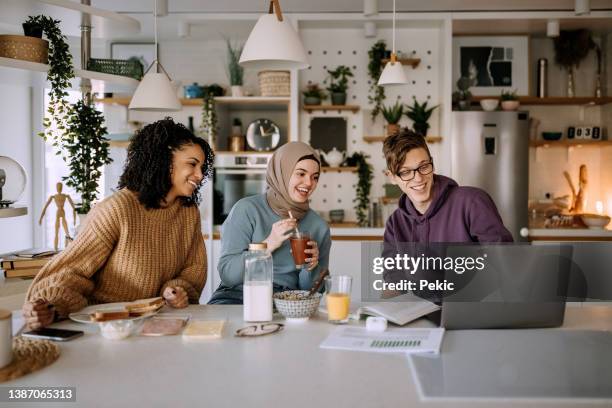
[
  {"x": 258, "y": 246},
  {"x": 5, "y": 314}
]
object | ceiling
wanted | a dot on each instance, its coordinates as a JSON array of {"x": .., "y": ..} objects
[{"x": 345, "y": 6}]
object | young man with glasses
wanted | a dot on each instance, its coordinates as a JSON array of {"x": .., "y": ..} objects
[{"x": 435, "y": 208}]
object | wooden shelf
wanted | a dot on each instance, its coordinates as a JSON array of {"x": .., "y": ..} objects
[
  {"x": 221, "y": 100},
  {"x": 568, "y": 143},
  {"x": 413, "y": 62},
  {"x": 374, "y": 139},
  {"x": 324, "y": 108},
  {"x": 349, "y": 169},
  {"x": 13, "y": 212},
  {"x": 554, "y": 100}
]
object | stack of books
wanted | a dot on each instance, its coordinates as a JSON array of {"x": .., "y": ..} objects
[{"x": 25, "y": 264}]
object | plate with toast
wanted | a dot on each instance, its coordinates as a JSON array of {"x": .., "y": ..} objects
[{"x": 136, "y": 310}]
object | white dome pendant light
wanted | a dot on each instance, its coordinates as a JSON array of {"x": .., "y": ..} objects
[
  {"x": 155, "y": 93},
  {"x": 274, "y": 44},
  {"x": 393, "y": 74}
]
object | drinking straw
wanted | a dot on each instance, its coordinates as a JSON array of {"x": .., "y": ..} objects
[{"x": 297, "y": 231}]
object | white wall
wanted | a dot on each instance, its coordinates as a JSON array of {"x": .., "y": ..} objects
[{"x": 16, "y": 140}]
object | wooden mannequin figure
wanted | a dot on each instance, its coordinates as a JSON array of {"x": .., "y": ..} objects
[
  {"x": 578, "y": 197},
  {"x": 60, "y": 200}
]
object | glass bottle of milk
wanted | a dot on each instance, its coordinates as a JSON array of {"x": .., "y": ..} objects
[{"x": 258, "y": 272}]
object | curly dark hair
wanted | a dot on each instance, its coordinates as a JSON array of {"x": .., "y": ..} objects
[{"x": 148, "y": 166}]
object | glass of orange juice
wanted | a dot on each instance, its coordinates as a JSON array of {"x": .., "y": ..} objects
[{"x": 338, "y": 298}]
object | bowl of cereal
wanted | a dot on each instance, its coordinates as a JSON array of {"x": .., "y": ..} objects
[{"x": 296, "y": 305}]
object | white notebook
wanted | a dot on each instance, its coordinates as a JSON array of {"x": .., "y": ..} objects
[
  {"x": 394, "y": 340},
  {"x": 403, "y": 309}
]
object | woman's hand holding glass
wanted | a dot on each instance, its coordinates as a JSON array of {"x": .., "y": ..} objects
[
  {"x": 280, "y": 233},
  {"x": 313, "y": 251}
]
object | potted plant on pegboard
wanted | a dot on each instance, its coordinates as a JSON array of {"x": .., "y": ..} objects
[
  {"x": 462, "y": 98},
  {"x": 338, "y": 84},
  {"x": 420, "y": 114},
  {"x": 313, "y": 95},
  {"x": 234, "y": 70},
  {"x": 364, "y": 185},
  {"x": 392, "y": 115},
  {"x": 375, "y": 66}
]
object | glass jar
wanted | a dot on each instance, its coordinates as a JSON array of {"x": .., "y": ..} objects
[
  {"x": 257, "y": 288},
  {"x": 13, "y": 181}
]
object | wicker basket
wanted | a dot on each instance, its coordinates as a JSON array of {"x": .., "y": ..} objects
[
  {"x": 24, "y": 48},
  {"x": 274, "y": 83},
  {"x": 128, "y": 68}
]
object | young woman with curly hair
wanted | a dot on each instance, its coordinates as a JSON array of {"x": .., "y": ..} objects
[{"x": 143, "y": 241}]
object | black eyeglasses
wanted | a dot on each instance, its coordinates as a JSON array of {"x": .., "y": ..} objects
[
  {"x": 259, "y": 330},
  {"x": 423, "y": 169}
]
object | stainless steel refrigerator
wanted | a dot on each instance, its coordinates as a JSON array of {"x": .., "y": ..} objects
[{"x": 490, "y": 150}]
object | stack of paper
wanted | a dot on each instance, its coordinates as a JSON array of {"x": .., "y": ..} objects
[{"x": 394, "y": 340}]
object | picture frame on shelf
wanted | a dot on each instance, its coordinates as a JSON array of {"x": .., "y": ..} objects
[
  {"x": 495, "y": 62},
  {"x": 143, "y": 51}
]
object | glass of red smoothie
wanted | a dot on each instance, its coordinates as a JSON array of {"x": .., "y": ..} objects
[{"x": 299, "y": 243}]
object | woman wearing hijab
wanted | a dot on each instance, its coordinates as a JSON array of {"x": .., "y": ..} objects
[{"x": 292, "y": 176}]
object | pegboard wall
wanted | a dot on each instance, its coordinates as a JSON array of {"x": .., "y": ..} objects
[{"x": 327, "y": 48}]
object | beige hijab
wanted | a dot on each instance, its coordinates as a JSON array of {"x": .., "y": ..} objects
[{"x": 279, "y": 172}]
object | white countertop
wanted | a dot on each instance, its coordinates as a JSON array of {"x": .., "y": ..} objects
[
  {"x": 569, "y": 232},
  {"x": 283, "y": 369},
  {"x": 357, "y": 232}
]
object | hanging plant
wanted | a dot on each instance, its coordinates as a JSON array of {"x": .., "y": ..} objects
[
  {"x": 209, "y": 119},
  {"x": 59, "y": 75},
  {"x": 572, "y": 46},
  {"x": 86, "y": 150},
  {"x": 364, "y": 185},
  {"x": 376, "y": 93}
]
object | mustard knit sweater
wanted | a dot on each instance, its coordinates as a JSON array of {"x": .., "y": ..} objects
[{"x": 125, "y": 252}]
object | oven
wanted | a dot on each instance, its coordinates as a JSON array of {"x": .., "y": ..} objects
[{"x": 237, "y": 175}]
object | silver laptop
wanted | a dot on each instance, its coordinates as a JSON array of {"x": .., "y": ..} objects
[{"x": 523, "y": 286}]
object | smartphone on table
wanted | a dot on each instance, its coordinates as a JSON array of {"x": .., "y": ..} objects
[{"x": 53, "y": 334}]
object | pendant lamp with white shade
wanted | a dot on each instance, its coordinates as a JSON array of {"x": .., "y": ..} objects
[
  {"x": 274, "y": 44},
  {"x": 155, "y": 93},
  {"x": 393, "y": 74}
]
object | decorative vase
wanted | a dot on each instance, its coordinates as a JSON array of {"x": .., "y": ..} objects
[
  {"x": 510, "y": 105},
  {"x": 312, "y": 100},
  {"x": 392, "y": 128},
  {"x": 571, "y": 85},
  {"x": 421, "y": 128},
  {"x": 237, "y": 91},
  {"x": 338, "y": 98}
]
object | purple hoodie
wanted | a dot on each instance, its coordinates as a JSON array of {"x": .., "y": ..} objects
[{"x": 455, "y": 215}]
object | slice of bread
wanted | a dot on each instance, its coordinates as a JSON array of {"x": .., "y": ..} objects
[
  {"x": 145, "y": 304},
  {"x": 109, "y": 314}
]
